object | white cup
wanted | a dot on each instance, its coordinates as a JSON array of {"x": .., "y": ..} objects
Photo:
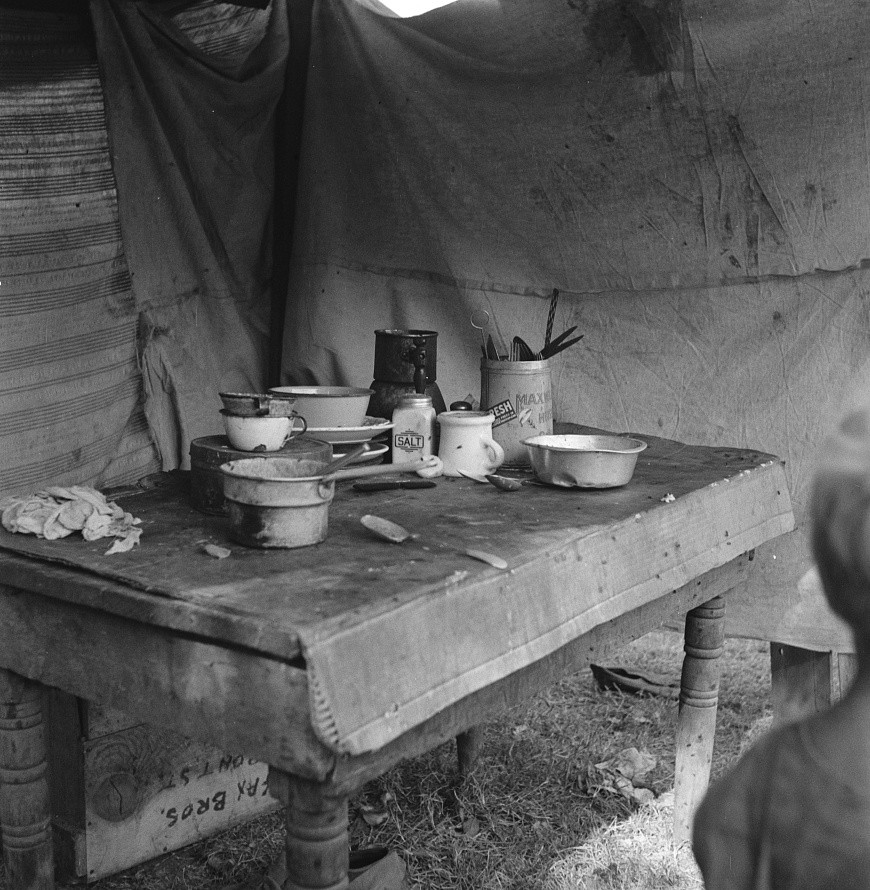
[
  {"x": 466, "y": 446},
  {"x": 266, "y": 433}
]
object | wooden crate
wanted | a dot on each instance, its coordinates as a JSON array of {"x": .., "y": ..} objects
[
  {"x": 124, "y": 792},
  {"x": 804, "y": 681}
]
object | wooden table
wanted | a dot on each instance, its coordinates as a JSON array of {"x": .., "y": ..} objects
[{"x": 332, "y": 663}]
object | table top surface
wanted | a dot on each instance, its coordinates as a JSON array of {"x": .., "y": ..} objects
[{"x": 391, "y": 632}]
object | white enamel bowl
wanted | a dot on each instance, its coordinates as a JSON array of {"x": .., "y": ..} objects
[
  {"x": 328, "y": 406},
  {"x": 574, "y": 461}
]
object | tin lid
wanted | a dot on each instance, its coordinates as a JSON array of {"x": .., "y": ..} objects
[
  {"x": 465, "y": 418},
  {"x": 209, "y": 452},
  {"x": 414, "y": 400}
]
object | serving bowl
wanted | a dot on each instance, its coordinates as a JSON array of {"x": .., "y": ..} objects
[
  {"x": 576, "y": 461},
  {"x": 284, "y": 502},
  {"x": 328, "y": 406}
]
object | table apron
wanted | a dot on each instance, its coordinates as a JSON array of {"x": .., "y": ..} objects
[
  {"x": 239, "y": 700},
  {"x": 353, "y": 772}
]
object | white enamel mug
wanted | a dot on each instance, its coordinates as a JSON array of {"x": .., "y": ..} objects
[
  {"x": 466, "y": 446},
  {"x": 262, "y": 433}
]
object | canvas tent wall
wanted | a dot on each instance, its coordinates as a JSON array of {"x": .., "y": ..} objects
[
  {"x": 70, "y": 393},
  {"x": 692, "y": 177},
  {"x": 137, "y": 165}
]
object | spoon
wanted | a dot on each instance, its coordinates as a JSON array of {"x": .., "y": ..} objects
[
  {"x": 417, "y": 466},
  {"x": 346, "y": 458},
  {"x": 384, "y": 528},
  {"x": 503, "y": 483},
  {"x": 474, "y": 477}
]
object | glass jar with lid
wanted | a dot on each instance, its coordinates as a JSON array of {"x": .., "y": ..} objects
[{"x": 413, "y": 428}]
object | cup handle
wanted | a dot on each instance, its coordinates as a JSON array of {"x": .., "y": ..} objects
[
  {"x": 496, "y": 453},
  {"x": 291, "y": 432}
]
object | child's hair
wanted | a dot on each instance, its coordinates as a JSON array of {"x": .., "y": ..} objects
[{"x": 840, "y": 517}]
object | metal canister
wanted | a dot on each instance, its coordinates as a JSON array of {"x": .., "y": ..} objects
[
  {"x": 405, "y": 362},
  {"x": 519, "y": 395}
]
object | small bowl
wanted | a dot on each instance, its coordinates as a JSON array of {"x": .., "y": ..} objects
[
  {"x": 260, "y": 433},
  {"x": 257, "y": 404},
  {"x": 574, "y": 461},
  {"x": 328, "y": 406}
]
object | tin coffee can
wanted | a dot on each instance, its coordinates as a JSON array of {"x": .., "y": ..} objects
[{"x": 519, "y": 395}]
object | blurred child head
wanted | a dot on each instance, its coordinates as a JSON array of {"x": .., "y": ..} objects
[{"x": 840, "y": 518}]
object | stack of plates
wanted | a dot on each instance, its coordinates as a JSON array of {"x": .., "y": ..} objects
[
  {"x": 343, "y": 438},
  {"x": 351, "y": 435},
  {"x": 375, "y": 455}
]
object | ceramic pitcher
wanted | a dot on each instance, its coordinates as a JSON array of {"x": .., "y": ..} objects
[{"x": 466, "y": 445}]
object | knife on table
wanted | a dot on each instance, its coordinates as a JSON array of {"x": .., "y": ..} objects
[{"x": 390, "y": 484}]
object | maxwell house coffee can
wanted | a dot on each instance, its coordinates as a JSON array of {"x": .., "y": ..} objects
[{"x": 519, "y": 395}]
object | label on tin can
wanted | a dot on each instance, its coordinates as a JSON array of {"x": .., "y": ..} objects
[{"x": 503, "y": 412}]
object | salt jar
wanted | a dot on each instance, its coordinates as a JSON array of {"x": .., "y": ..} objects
[{"x": 413, "y": 428}]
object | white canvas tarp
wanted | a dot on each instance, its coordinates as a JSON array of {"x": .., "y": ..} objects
[
  {"x": 693, "y": 180},
  {"x": 191, "y": 100}
]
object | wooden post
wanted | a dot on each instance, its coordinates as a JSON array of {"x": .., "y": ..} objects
[
  {"x": 318, "y": 846},
  {"x": 696, "y": 722},
  {"x": 468, "y": 745},
  {"x": 25, "y": 813}
]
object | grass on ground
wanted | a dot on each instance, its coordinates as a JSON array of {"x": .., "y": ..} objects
[{"x": 536, "y": 814}]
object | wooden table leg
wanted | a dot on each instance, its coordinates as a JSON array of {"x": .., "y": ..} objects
[
  {"x": 468, "y": 745},
  {"x": 25, "y": 811},
  {"x": 318, "y": 846},
  {"x": 696, "y": 723}
]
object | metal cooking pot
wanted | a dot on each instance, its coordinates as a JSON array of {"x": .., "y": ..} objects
[
  {"x": 284, "y": 501},
  {"x": 277, "y": 501}
]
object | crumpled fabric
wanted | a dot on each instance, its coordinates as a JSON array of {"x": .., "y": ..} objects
[
  {"x": 59, "y": 511},
  {"x": 620, "y": 774}
]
